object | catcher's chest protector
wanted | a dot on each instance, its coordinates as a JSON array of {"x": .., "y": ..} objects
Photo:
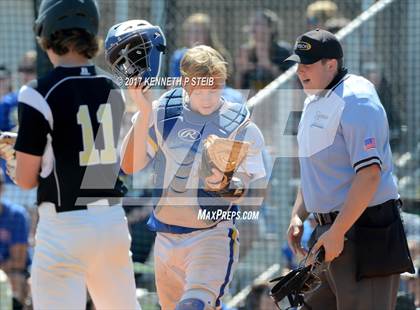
[{"x": 181, "y": 132}]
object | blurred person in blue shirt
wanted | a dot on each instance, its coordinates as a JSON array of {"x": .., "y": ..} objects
[
  {"x": 14, "y": 258},
  {"x": 8, "y": 100},
  {"x": 8, "y": 107},
  {"x": 8, "y": 97}
]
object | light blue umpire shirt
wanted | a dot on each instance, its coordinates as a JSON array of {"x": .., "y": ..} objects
[{"x": 343, "y": 130}]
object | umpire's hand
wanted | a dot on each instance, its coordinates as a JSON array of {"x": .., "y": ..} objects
[
  {"x": 294, "y": 236},
  {"x": 333, "y": 243}
]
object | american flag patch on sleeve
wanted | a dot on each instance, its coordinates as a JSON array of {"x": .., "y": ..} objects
[{"x": 370, "y": 143}]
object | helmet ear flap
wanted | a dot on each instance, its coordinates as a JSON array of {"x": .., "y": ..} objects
[{"x": 37, "y": 28}]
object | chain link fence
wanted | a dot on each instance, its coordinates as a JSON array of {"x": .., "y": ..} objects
[{"x": 381, "y": 41}]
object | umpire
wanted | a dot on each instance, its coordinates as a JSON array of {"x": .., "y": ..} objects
[{"x": 346, "y": 182}]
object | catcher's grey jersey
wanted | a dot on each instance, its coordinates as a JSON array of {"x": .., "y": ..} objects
[
  {"x": 341, "y": 132},
  {"x": 175, "y": 150}
]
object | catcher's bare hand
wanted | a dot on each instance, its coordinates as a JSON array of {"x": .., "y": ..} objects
[
  {"x": 215, "y": 181},
  {"x": 294, "y": 236},
  {"x": 138, "y": 93}
]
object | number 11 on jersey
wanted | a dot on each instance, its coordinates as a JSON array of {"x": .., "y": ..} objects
[{"x": 90, "y": 155}]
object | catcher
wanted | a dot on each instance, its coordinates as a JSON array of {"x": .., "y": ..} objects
[{"x": 205, "y": 153}]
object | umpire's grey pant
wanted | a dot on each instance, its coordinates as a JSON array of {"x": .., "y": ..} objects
[{"x": 340, "y": 290}]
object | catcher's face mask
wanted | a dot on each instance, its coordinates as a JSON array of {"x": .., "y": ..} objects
[
  {"x": 298, "y": 282},
  {"x": 134, "y": 48},
  {"x": 132, "y": 60}
]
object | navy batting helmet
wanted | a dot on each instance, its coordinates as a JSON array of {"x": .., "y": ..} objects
[
  {"x": 57, "y": 15},
  {"x": 134, "y": 48}
]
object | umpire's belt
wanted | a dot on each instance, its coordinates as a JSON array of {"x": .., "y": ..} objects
[
  {"x": 325, "y": 218},
  {"x": 329, "y": 218}
]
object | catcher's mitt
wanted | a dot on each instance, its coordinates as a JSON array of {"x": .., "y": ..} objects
[
  {"x": 223, "y": 154},
  {"x": 7, "y": 151},
  {"x": 297, "y": 282}
]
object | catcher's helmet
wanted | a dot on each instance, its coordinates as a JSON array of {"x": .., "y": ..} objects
[
  {"x": 134, "y": 49},
  {"x": 57, "y": 15}
]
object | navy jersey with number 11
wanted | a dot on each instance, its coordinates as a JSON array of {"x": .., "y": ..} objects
[{"x": 72, "y": 117}]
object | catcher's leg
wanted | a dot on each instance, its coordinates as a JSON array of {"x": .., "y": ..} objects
[
  {"x": 210, "y": 263},
  {"x": 199, "y": 299},
  {"x": 169, "y": 277},
  {"x": 193, "y": 304}
]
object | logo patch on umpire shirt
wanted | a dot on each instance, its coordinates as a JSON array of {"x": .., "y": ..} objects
[
  {"x": 370, "y": 143},
  {"x": 320, "y": 120}
]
